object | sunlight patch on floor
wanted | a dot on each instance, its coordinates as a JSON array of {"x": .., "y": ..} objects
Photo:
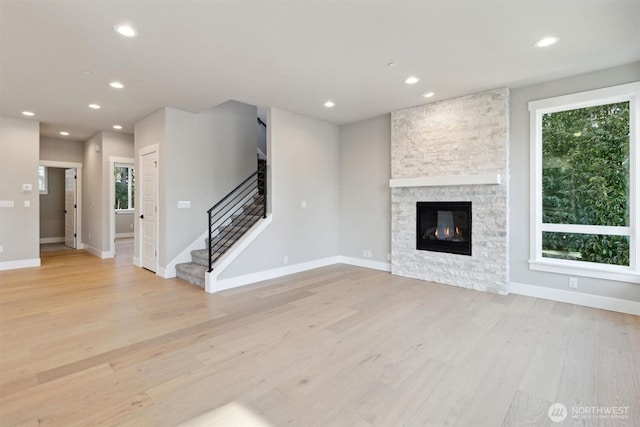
[{"x": 232, "y": 414}]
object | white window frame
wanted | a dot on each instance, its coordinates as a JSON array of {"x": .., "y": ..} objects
[
  {"x": 627, "y": 92},
  {"x": 130, "y": 167},
  {"x": 45, "y": 182}
]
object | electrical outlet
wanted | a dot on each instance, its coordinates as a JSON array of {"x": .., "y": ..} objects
[
  {"x": 285, "y": 259},
  {"x": 573, "y": 282}
]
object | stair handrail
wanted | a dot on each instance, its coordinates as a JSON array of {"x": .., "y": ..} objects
[{"x": 232, "y": 203}]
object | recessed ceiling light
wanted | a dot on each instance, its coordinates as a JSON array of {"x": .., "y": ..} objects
[
  {"x": 329, "y": 104},
  {"x": 411, "y": 80},
  {"x": 547, "y": 41},
  {"x": 28, "y": 113},
  {"x": 428, "y": 94},
  {"x": 117, "y": 127},
  {"x": 116, "y": 85},
  {"x": 94, "y": 106},
  {"x": 391, "y": 64},
  {"x": 125, "y": 30},
  {"x": 64, "y": 133}
]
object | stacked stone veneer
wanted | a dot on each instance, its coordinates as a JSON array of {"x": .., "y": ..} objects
[{"x": 462, "y": 136}]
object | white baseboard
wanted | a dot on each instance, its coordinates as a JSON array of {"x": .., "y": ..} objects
[
  {"x": 367, "y": 263},
  {"x": 20, "y": 263},
  {"x": 46, "y": 240},
  {"x": 587, "y": 300},
  {"x": 123, "y": 235},
  {"x": 247, "y": 279},
  {"x": 100, "y": 254}
]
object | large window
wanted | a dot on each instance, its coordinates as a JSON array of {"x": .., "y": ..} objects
[
  {"x": 125, "y": 180},
  {"x": 585, "y": 183}
]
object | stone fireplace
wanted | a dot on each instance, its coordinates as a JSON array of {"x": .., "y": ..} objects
[{"x": 453, "y": 152}]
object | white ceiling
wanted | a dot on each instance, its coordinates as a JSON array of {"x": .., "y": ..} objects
[{"x": 294, "y": 55}]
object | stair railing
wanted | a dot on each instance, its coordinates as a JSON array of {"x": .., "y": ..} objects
[{"x": 232, "y": 205}]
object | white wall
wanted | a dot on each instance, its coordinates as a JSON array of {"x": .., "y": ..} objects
[
  {"x": 304, "y": 165},
  {"x": 520, "y": 176},
  {"x": 124, "y": 223},
  {"x": 93, "y": 216},
  {"x": 114, "y": 144},
  {"x": 202, "y": 157},
  {"x": 365, "y": 197},
  {"x": 61, "y": 150},
  {"x": 19, "y": 230}
]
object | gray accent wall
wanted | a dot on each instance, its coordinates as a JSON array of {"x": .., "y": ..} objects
[
  {"x": 304, "y": 165},
  {"x": 365, "y": 197},
  {"x": 19, "y": 231},
  {"x": 520, "y": 176},
  {"x": 52, "y": 205}
]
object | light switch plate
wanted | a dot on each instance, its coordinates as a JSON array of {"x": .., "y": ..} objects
[
  {"x": 6, "y": 203},
  {"x": 26, "y": 187},
  {"x": 27, "y": 203},
  {"x": 184, "y": 204}
]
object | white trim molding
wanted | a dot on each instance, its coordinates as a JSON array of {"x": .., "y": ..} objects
[
  {"x": 45, "y": 240},
  {"x": 366, "y": 263},
  {"x": 578, "y": 298},
  {"x": 247, "y": 279},
  {"x": 97, "y": 252},
  {"x": 442, "y": 181},
  {"x": 211, "y": 282},
  {"x": 20, "y": 263}
]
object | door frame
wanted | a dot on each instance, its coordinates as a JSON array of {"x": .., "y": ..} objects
[
  {"x": 113, "y": 160},
  {"x": 138, "y": 241},
  {"x": 78, "y": 168}
]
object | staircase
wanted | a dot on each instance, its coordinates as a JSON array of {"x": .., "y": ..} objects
[
  {"x": 229, "y": 220},
  {"x": 194, "y": 271}
]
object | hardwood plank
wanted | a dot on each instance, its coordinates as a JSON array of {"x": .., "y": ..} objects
[{"x": 85, "y": 341}]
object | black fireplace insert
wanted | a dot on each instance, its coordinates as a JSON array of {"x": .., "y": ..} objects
[{"x": 444, "y": 227}]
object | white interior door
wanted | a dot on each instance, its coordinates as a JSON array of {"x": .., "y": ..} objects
[
  {"x": 149, "y": 211},
  {"x": 70, "y": 207}
]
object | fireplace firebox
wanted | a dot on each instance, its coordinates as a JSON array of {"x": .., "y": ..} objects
[{"x": 444, "y": 227}]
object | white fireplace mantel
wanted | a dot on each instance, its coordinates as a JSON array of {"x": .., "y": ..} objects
[{"x": 441, "y": 181}]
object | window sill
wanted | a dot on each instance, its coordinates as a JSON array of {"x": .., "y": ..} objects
[
  {"x": 124, "y": 211},
  {"x": 615, "y": 273},
  {"x": 44, "y": 192}
]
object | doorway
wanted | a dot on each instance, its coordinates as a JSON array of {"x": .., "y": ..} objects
[
  {"x": 148, "y": 210},
  {"x": 59, "y": 185},
  {"x": 122, "y": 201}
]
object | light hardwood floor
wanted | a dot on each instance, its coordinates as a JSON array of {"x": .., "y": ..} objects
[{"x": 90, "y": 342}]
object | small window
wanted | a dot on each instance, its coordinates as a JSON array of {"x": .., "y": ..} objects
[
  {"x": 125, "y": 180},
  {"x": 43, "y": 184}
]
